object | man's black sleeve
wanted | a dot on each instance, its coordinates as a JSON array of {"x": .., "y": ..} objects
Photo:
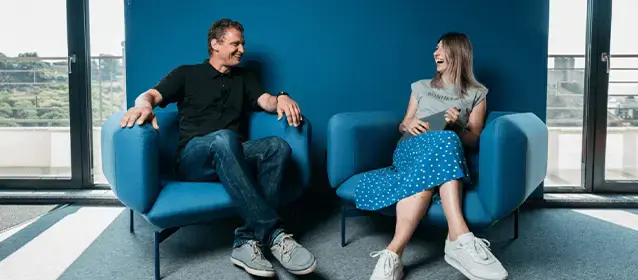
[
  {"x": 253, "y": 89},
  {"x": 171, "y": 86}
]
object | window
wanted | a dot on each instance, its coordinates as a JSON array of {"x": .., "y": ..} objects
[
  {"x": 592, "y": 111},
  {"x": 45, "y": 125}
]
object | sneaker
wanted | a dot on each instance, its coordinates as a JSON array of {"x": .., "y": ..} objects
[
  {"x": 472, "y": 257},
  {"x": 249, "y": 257},
  {"x": 292, "y": 256},
  {"x": 389, "y": 266}
]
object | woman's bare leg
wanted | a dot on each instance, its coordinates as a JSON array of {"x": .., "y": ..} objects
[
  {"x": 451, "y": 198},
  {"x": 475, "y": 261},
  {"x": 410, "y": 211}
]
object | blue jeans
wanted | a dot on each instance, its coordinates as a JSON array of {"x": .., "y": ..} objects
[{"x": 220, "y": 156}]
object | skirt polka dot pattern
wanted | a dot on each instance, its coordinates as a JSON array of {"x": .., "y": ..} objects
[{"x": 421, "y": 162}]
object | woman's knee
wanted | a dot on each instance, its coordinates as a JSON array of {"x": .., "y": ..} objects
[
  {"x": 451, "y": 185},
  {"x": 424, "y": 195},
  {"x": 451, "y": 138}
]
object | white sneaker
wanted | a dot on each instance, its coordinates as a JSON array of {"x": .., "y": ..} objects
[
  {"x": 472, "y": 257},
  {"x": 389, "y": 266}
]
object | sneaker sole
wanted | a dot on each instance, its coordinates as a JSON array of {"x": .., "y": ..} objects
[
  {"x": 308, "y": 270},
  {"x": 252, "y": 271},
  {"x": 399, "y": 277},
  {"x": 467, "y": 274}
]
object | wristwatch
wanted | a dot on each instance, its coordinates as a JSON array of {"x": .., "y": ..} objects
[{"x": 282, "y": 93}]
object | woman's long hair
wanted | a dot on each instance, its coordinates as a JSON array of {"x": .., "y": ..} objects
[{"x": 458, "y": 49}]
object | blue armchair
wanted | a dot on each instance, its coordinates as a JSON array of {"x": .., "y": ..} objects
[
  {"x": 138, "y": 163},
  {"x": 511, "y": 163}
]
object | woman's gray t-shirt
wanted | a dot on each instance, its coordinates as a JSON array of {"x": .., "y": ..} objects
[{"x": 434, "y": 100}]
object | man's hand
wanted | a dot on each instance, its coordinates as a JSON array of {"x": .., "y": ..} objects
[
  {"x": 139, "y": 114},
  {"x": 416, "y": 127},
  {"x": 452, "y": 115},
  {"x": 285, "y": 105}
]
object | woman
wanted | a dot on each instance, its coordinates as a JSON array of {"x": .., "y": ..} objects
[{"x": 434, "y": 161}]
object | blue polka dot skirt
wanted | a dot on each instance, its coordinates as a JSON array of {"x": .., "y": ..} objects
[{"x": 421, "y": 162}]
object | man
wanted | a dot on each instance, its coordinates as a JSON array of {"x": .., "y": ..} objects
[{"x": 211, "y": 99}]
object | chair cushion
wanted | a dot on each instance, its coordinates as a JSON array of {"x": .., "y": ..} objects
[
  {"x": 186, "y": 203},
  {"x": 473, "y": 210},
  {"x": 346, "y": 190}
]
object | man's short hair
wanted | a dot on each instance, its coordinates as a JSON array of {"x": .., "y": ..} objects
[{"x": 217, "y": 30}]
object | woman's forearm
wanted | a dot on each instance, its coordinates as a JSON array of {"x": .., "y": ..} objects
[
  {"x": 403, "y": 127},
  {"x": 468, "y": 138}
]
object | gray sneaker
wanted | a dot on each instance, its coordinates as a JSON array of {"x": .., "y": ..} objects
[
  {"x": 249, "y": 257},
  {"x": 389, "y": 266},
  {"x": 292, "y": 256},
  {"x": 472, "y": 257}
]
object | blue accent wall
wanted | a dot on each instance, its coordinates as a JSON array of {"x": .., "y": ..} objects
[{"x": 334, "y": 56}]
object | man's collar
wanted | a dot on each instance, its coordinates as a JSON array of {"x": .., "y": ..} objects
[{"x": 214, "y": 72}]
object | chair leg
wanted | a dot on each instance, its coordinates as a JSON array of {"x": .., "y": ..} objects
[
  {"x": 131, "y": 227},
  {"x": 343, "y": 225},
  {"x": 160, "y": 236},
  {"x": 516, "y": 212},
  {"x": 157, "y": 256}
]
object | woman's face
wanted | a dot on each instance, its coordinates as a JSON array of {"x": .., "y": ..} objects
[{"x": 440, "y": 57}]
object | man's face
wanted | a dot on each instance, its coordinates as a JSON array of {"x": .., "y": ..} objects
[{"x": 230, "y": 48}]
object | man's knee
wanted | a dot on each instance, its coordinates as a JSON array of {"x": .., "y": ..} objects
[
  {"x": 222, "y": 139},
  {"x": 280, "y": 147}
]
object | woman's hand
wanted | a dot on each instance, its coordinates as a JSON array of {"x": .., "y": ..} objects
[
  {"x": 452, "y": 115},
  {"x": 416, "y": 126}
]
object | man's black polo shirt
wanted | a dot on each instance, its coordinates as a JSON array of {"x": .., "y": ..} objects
[{"x": 208, "y": 100}]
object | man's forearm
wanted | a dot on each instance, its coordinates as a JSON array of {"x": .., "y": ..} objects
[
  {"x": 145, "y": 100},
  {"x": 269, "y": 103}
]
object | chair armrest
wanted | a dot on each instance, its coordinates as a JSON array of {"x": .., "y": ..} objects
[
  {"x": 512, "y": 161},
  {"x": 130, "y": 160},
  {"x": 360, "y": 141},
  {"x": 264, "y": 124}
]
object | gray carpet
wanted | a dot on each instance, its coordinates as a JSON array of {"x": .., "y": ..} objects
[
  {"x": 553, "y": 244},
  {"x": 12, "y": 215}
]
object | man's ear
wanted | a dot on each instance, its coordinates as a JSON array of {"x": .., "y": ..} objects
[{"x": 213, "y": 44}]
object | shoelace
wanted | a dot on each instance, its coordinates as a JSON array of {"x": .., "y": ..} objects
[
  {"x": 388, "y": 263},
  {"x": 287, "y": 246},
  {"x": 256, "y": 250},
  {"x": 478, "y": 248}
]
